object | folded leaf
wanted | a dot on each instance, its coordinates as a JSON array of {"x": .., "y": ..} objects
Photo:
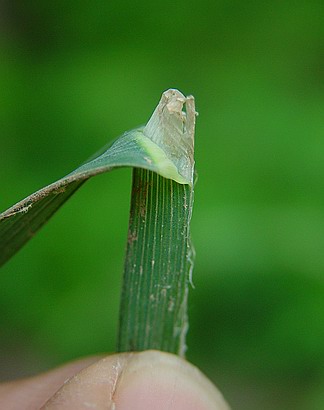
[{"x": 168, "y": 152}]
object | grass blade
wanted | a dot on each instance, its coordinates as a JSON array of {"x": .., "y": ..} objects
[
  {"x": 138, "y": 148},
  {"x": 158, "y": 264}
]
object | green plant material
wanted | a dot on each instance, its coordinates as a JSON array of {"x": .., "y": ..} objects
[
  {"x": 158, "y": 260},
  {"x": 153, "y": 313},
  {"x": 19, "y": 223},
  {"x": 158, "y": 264}
]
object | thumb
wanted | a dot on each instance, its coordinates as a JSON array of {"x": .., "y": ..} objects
[{"x": 138, "y": 381}]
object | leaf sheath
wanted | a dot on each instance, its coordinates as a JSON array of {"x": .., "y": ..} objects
[{"x": 153, "y": 313}]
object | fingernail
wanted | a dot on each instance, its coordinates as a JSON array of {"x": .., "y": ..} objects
[
  {"x": 149, "y": 380},
  {"x": 156, "y": 380}
]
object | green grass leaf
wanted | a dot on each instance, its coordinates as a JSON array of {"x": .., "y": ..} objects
[
  {"x": 140, "y": 148},
  {"x": 158, "y": 263}
]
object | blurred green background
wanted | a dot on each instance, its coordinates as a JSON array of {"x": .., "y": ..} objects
[{"x": 76, "y": 74}]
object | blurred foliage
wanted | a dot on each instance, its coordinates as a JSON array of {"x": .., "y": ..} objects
[{"x": 76, "y": 74}]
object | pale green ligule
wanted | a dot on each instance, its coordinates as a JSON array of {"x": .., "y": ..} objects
[
  {"x": 172, "y": 129},
  {"x": 164, "y": 166}
]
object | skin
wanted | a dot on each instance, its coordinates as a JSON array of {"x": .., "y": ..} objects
[{"x": 127, "y": 381}]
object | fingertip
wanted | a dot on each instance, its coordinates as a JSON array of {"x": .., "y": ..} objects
[
  {"x": 139, "y": 381},
  {"x": 92, "y": 387},
  {"x": 157, "y": 380}
]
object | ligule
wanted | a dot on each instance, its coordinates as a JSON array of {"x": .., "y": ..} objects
[{"x": 153, "y": 313}]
